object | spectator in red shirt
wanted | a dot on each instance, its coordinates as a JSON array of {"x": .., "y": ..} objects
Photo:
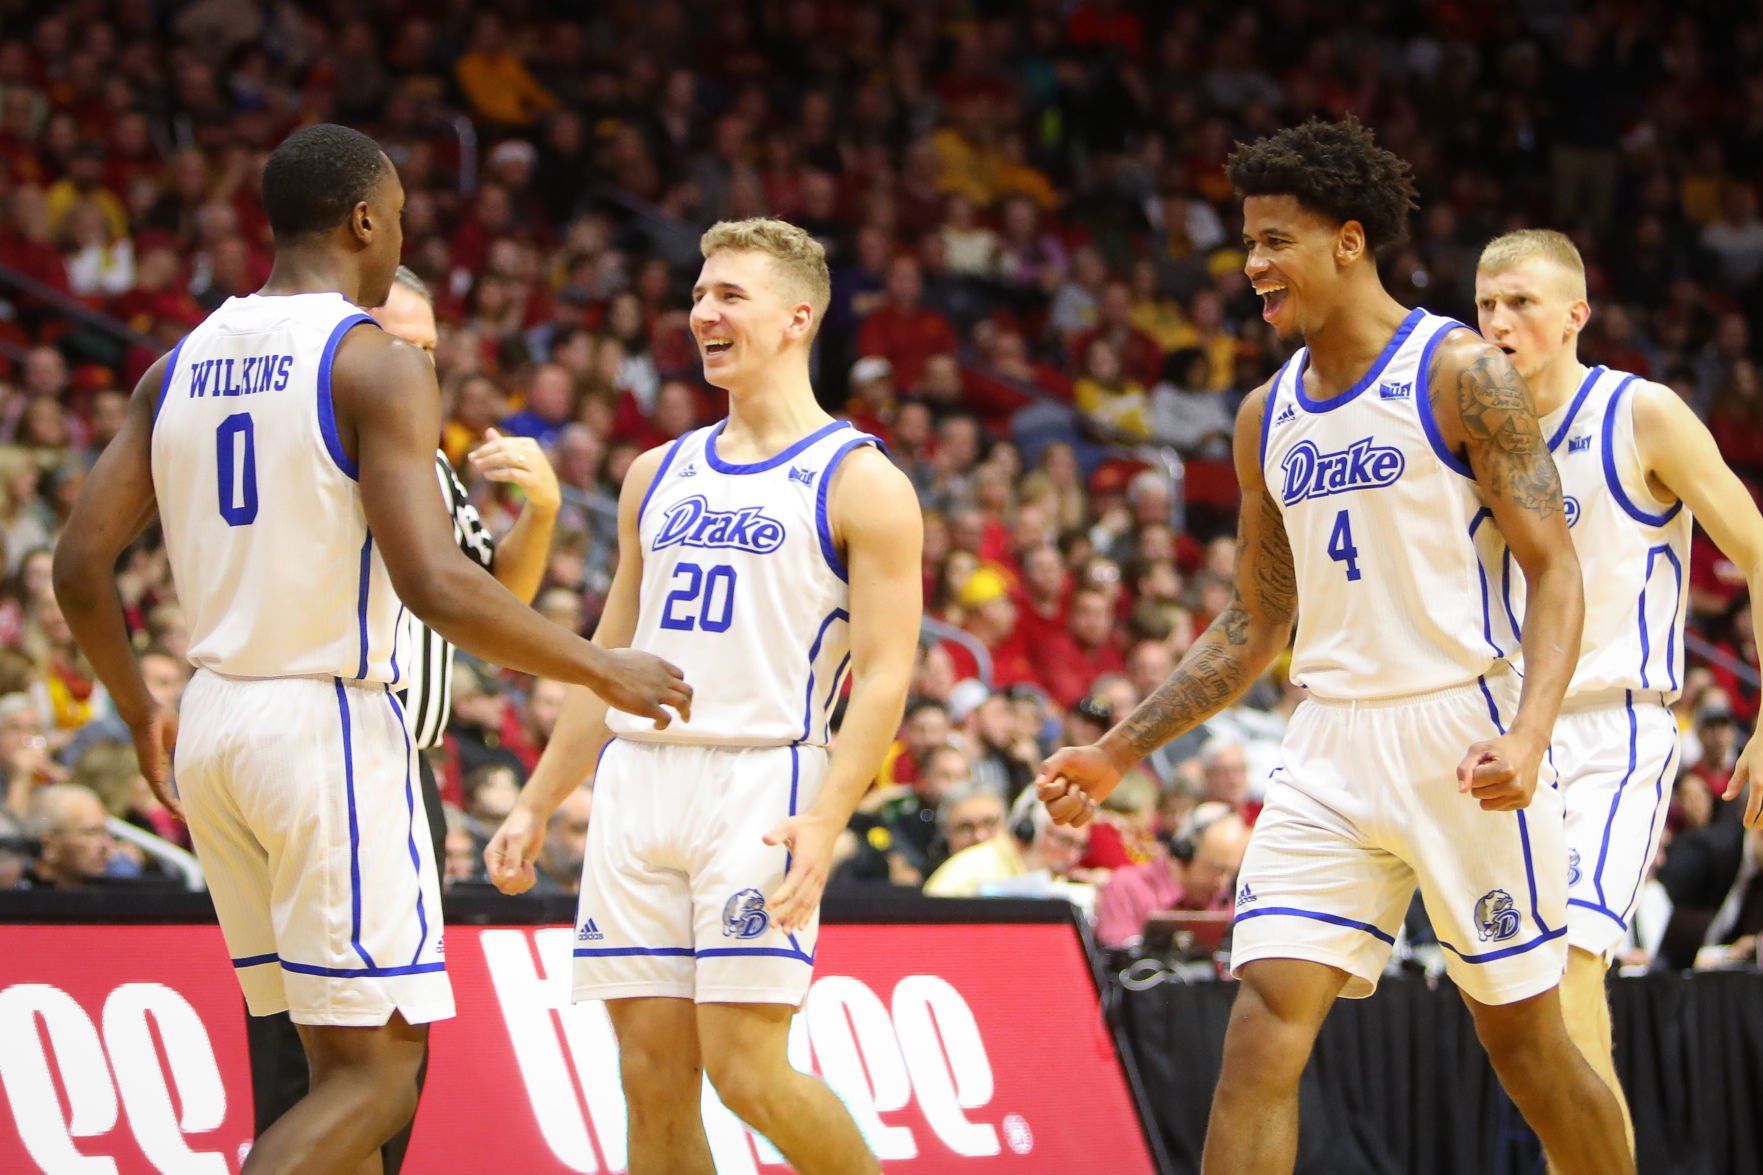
[
  {"x": 1041, "y": 604},
  {"x": 990, "y": 617},
  {"x": 1141, "y": 359},
  {"x": 1198, "y": 873},
  {"x": 902, "y": 330},
  {"x": 1071, "y": 660}
]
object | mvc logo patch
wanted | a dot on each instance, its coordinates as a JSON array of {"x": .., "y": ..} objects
[
  {"x": 1579, "y": 444},
  {"x": 1392, "y": 390}
]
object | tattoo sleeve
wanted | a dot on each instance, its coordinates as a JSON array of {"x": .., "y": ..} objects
[
  {"x": 1238, "y": 645},
  {"x": 1505, "y": 445}
]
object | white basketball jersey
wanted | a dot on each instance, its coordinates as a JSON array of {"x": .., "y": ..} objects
[
  {"x": 1634, "y": 550},
  {"x": 275, "y": 568},
  {"x": 744, "y": 590},
  {"x": 1390, "y": 540}
]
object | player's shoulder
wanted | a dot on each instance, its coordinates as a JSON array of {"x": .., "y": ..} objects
[
  {"x": 868, "y": 474},
  {"x": 1459, "y": 349},
  {"x": 368, "y": 358}
]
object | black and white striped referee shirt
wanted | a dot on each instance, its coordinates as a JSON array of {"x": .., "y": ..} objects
[{"x": 429, "y": 699}]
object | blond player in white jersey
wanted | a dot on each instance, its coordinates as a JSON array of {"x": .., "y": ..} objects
[
  {"x": 1370, "y": 467},
  {"x": 1636, "y": 465},
  {"x": 770, "y": 555},
  {"x": 287, "y": 447}
]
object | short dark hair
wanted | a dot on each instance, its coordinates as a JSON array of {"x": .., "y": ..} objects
[
  {"x": 316, "y": 177},
  {"x": 1334, "y": 168},
  {"x": 407, "y": 277}
]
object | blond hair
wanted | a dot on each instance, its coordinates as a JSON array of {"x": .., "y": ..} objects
[
  {"x": 1509, "y": 249},
  {"x": 800, "y": 257}
]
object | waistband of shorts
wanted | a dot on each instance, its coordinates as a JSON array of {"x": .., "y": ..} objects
[
  {"x": 1613, "y": 698},
  {"x": 319, "y": 678},
  {"x": 1495, "y": 678}
]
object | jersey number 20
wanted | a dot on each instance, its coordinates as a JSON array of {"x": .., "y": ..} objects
[
  {"x": 235, "y": 457},
  {"x": 1341, "y": 548},
  {"x": 705, "y": 600}
]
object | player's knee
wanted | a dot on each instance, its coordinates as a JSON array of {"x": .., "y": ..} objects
[
  {"x": 656, "y": 1075},
  {"x": 1265, "y": 1045}
]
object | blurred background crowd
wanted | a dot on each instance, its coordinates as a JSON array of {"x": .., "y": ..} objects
[{"x": 1038, "y": 302}]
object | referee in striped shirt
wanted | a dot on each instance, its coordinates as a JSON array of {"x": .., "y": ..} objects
[{"x": 278, "y": 1061}]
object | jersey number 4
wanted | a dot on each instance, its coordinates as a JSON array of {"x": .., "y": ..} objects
[
  {"x": 705, "y": 600},
  {"x": 1341, "y": 548},
  {"x": 235, "y": 459}
]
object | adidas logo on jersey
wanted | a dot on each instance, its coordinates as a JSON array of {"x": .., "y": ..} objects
[
  {"x": 688, "y": 470},
  {"x": 1311, "y": 473},
  {"x": 1395, "y": 391},
  {"x": 1287, "y": 416},
  {"x": 805, "y": 476},
  {"x": 1579, "y": 444},
  {"x": 692, "y": 523},
  {"x": 588, "y": 932}
]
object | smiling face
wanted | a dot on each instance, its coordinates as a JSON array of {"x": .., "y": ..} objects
[
  {"x": 1296, "y": 261},
  {"x": 1532, "y": 309},
  {"x": 745, "y": 313}
]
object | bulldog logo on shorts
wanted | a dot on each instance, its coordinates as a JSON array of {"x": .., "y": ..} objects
[
  {"x": 744, "y": 916},
  {"x": 1496, "y": 920},
  {"x": 1573, "y": 873}
]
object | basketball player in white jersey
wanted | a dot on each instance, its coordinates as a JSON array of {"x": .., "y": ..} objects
[
  {"x": 290, "y": 459},
  {"x": 1636, "y": 465},
  {"x": 770, "y": 555},
  {"x": 1368, "y": 465}
]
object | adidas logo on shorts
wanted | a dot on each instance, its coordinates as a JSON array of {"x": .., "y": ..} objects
[
  {"x": 1245, "y": 897},
  {"x": 588, "y": 932}
]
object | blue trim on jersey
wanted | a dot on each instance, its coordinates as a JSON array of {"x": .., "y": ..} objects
[
  {"x": 1506, "y": 594},
  {"x": 661, "y": 472},
  {"x": 821, "y": 523},
  {"x": 1616, "y": 800},
  {"x": 1493, "y": 710},
  {"x": 327, "y": 410},
  {"x": 363, "y": 972},
  {"x": 624, "y": 952},
  {"x": 721, "y": 466},
  {"x": 165, "y": 382},
  {"x": 767, "y": 952},
  {"x": 813, "y": 652},
  {"x": 1508, "y": 952},
  {"x": 1423, "y": 406},
  {"x": 1659, "y": 811},
  {"x": 361, "y": 603},
  {"x": 1318, "y": 916},
  {"x": 1585, "y": 389},
  {"x": 1610, "y": 476},
  {"x": 1530, "y": 874},
  {"x": 397, "y": 630},
  {"x": 1267, "y": 409},
  {"x": 1653, "y": 554},
  {"x": 1608, "y": 913},
  {"x": 1481, "y": 573},
  {"x": 422, "y": 920},
  {"x": 354, "y": 829},
  {"x": 256, "y": 961},
  {"x": 1370, "y": 377}
]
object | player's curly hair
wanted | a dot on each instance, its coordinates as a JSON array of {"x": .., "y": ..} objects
[
  {"x": 1334, "y": 168},
  {"x": 315, "y": 178}
]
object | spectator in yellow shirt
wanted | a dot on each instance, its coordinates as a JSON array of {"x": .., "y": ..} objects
[{"x": 496, "y": 81}]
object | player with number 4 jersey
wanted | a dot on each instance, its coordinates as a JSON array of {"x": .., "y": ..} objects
[{"x": 1383, "y": 469}]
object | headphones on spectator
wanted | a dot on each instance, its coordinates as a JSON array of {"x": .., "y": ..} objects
[
  {"x": 1022, "y": 817},
  {"x": 1186, "y": 843}
]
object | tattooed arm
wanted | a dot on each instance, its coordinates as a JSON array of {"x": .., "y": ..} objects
[
  {"x": 1222, "y": 664},
  {"x": 1486, "y": 415}
]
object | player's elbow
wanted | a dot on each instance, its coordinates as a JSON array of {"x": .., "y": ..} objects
[
  {"x": 431, "y": 592},
  {"x": 76, "y": 572}
]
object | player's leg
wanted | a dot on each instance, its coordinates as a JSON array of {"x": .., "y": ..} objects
[
  {"x": 745, "y": 1048},
  {"x": 1273, "y": 1025},
  {"x": 1572, "y": 1110},
  {"x": 633, "y": 949},
  {"x": 663, "y": 1077},
  {"x": 363, "y": 1091},
  {"x": 1585, "y": 1006}
]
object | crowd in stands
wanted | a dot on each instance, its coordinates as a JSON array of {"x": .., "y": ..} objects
[{"x": 1038, "y": 302}]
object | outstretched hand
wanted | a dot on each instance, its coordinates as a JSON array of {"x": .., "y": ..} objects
[
  {"x": 811, "y": 843},
  {"x": 1073, "y": 781},
  {"x": 155, "y": 736},
  {"x": 1748, "y": 772}
]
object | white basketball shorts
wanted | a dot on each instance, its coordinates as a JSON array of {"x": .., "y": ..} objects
[
  {"x": 1616, "y": 755},
  {"x": 677, "y": 874},
  {"x": 1364, "y": 806},
  {"x": 303, "y": 803}
]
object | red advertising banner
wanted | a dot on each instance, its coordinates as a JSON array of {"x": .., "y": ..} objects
[{"x": 959, "y": 1048}]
